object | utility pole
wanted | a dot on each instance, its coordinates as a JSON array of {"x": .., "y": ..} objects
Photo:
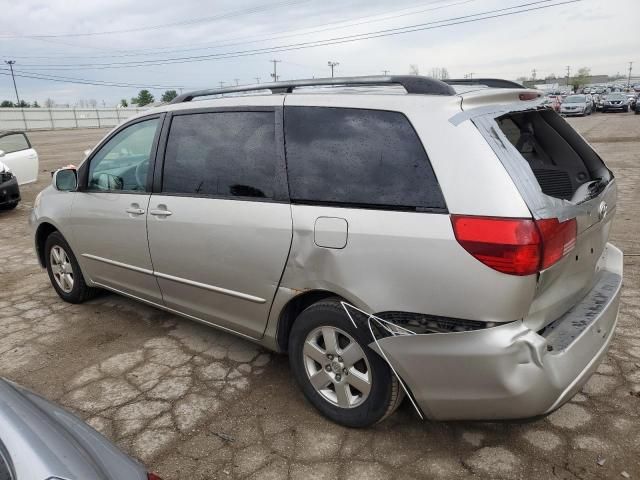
[
  {"x": 533, "y": 74},
  {"x": 468, "y": 75},
  {"x": 236, "y": 80},
  {"x": 274, "y": 75},
  {"x": 332, "y": 65},
  {"x": 568, "y": 74},
  {"x": 221, "y": 84},
  {"x": 11, "y": 63},
  {"x": 385, "y": 72},
  {"x": 257, "y": 79},
  {"x": 629, "y": 77}
]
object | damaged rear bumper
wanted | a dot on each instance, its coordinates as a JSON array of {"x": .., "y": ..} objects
[{"x": 510, "y": 371}]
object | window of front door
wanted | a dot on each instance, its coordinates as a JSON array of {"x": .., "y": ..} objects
[{"x": 121, "y": 165}]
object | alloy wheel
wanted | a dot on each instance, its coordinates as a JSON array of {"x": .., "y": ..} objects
[
  {"x": 337, "y": 367},
  {"x": 61, "y": 268}
]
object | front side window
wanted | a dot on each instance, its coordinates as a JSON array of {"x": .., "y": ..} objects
[
  {"x": 13, "y": 142},
  {"x": 123, "y": 162},
  {"x": 228, "y": 154},
  {"x": 365, "y": 158}
]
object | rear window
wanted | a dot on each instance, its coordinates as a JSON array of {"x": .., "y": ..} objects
[
  {"x": 357, "y": 157},
  {"x": 559, "y": 158}
]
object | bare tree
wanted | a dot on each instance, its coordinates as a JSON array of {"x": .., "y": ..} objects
[
  {"x": 440, "y": 73},
  {"x": 49, "y": 103},
  {"x": 93, "y": 103},
  {"x": 413, "y": 69},
  {"x": 82, "y": 103}
]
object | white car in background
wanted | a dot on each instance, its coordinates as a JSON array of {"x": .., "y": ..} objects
[{"x": 19, "y": 156}]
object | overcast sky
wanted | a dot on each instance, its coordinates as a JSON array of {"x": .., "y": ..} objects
[{"x": 86, "y": 40}]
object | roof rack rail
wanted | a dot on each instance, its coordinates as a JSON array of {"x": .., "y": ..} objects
[
  {"x": 411, "y": 83},
  {"x": 488, "y": 82}
]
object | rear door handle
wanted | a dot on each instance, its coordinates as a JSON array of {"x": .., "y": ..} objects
[
  {"x": 135, "y": 211},
  {"x": 160, "y": 213}
]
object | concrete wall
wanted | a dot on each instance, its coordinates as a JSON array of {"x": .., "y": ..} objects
[{"x": 54, "y": 118}]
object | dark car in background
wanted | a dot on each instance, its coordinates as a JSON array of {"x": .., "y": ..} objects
[
  {"x": 9, "y": 192},
  {"x": 615, "y": 102}
]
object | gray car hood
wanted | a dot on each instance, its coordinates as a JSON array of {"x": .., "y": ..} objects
[{"x": 43, "y": 441}]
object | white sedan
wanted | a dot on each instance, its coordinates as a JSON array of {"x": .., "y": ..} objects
[{"x": 19, "y": 156}]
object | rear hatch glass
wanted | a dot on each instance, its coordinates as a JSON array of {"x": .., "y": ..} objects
[{"x": 569, "y": 171}]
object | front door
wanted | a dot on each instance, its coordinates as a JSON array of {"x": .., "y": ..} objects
[
  {"x": 109, "y": 213},
  {"x": 220, "y": 225},
  {"x": 18, "y": 155}
]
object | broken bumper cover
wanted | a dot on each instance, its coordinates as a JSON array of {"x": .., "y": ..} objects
[
  {"x": 511, "y": 371},
  {"x": 9, "y": 190}
]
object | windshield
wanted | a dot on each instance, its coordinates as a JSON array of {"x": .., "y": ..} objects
[
  {"x": 615, "y": 96},
  {"x": 575, "y": 99}
]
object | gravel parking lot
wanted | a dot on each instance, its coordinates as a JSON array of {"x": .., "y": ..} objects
[{"x": 195, "y": 403}]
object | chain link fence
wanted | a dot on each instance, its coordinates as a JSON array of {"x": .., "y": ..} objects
[{"x": 54, "y": 118}]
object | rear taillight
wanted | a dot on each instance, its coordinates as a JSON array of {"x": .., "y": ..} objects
[
  {"x": 516, "y": 246},
  {"x": 558, "y": 239},
  {"x": 153, "y": 476},
  {"x": 529, "y": 96}
]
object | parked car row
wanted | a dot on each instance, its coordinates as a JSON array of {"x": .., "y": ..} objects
[{"x": 586, "y": 103}]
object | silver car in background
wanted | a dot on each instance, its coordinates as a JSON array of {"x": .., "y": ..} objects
[
  {"x": 41, "y": 441},
  {"x": 577, "y": 105},
  {"x": 395, "y": 235}
]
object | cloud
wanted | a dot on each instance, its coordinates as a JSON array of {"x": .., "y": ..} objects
[{"x": 587, "y": 33}]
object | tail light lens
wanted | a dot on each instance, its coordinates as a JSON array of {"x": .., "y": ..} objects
[
  {"x": 558, "y": 239},
  {"x": 516, "y": 246},
  {"x": 529, "y": 96},
  {"x": 153, "y": 476}
]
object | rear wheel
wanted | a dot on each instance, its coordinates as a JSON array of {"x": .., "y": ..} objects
[
  {"x": 64, "y": 271},
  {"x": 338, "y": 373}
]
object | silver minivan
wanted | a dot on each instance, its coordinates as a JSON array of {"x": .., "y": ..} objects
[{"x": 397, "y": 236}]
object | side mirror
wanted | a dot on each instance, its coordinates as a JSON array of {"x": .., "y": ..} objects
[
  {"x": 65, "y": 180},
  {"x": 1, "y": 153}
]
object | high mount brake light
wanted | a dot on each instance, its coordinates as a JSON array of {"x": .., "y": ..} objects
[{"x": 516, "y": 246}]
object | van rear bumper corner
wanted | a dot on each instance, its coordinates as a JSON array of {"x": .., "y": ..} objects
[{"x": 511, "y": 371}]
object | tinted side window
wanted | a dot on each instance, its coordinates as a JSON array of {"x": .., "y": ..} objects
[
  {"x": 13, "y": 143},
  {"x": 229, "y": 154},
  {"x": 359, "y": 157}
]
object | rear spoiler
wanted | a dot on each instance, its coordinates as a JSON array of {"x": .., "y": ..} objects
[{"x": 487, "y": 82}]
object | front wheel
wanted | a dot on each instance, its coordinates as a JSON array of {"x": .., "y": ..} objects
[
  {"x": 64, "y": 271},
  {"x": 337, "y": 371}
]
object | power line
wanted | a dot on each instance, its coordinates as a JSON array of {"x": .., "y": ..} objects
[
  {"x": 497, "y": 13},
  {"x": 192, "y": 21},
  {"x": 58, "y": 77},
  {"x": 262, "y": 38},
  {"x": 82, "y": 82}
]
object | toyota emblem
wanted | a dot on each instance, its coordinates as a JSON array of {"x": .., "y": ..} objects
[{"x": 602, "y": 210}]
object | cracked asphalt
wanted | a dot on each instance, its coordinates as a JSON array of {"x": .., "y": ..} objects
[{"x": 195, "y": 403}]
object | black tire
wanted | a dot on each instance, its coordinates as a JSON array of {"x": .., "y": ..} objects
[
  {"x": 385, "y": 394},
  {"x": 9, "y": 206},
  {"x": 80, "y": 292}
]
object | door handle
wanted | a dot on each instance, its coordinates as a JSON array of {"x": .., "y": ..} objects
[
  {"x": 135, "y": 211},
  {"x": 160, "y": 213}
]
